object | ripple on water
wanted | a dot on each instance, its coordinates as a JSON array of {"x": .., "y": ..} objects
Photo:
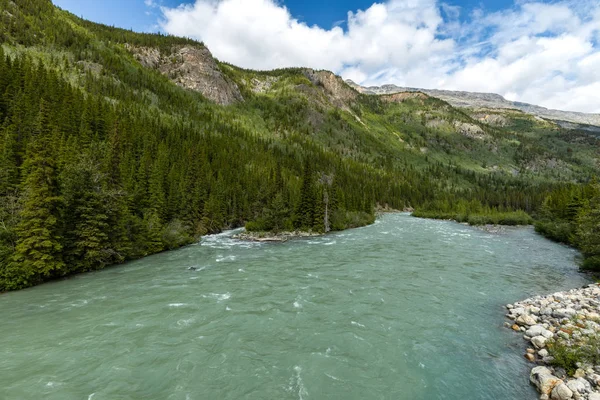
[
  {"x": 226, "y": 258},
  {"x": 296, "y": 384},
  {"x": 185, "y": 322},
  {"x": 217, "y": 296}
]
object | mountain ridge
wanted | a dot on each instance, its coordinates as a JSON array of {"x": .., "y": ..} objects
[{"x": 461, "y": 98}]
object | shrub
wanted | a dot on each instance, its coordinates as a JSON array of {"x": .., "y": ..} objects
[
  {"x": 175, "y": 235},
  {"x": 559, "y": 231},
  {"x": 591, "y": 263},
  {"x": 342, "y": 219},
  {"x": 256, "y": 226},
  {"x": 568, "y": 357},
  {"x": 564, "y": 356}
]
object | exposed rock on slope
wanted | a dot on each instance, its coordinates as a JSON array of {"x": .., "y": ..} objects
[
  {"x": 400, "y": 97},
  {"x": 337, "y": 90},
  {"x": 484, "y": 100},
  {"x": 191, "y": 68}
]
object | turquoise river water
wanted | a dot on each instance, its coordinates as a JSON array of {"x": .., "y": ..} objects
[{"x": 404, "y": 309}]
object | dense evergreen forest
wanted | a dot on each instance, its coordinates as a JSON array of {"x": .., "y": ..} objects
[
  {"x": 103, "y": 159},
  {"x": 571, "y": 215}
]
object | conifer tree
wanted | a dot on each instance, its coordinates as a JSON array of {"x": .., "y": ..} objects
[
  {"x": 87, "y": 246},
  {"x": 588, "y": 231},
  {"x": 305, "y": 211},
  {"x": 38, "y": 253}
]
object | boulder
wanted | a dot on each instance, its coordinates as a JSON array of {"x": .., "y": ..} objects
[
  {"x": 547, "y": 334},
  {"x": 535, "y": 330},
  {"x": 561, "y": 392},
  {"x": 543, "y": 379},
  {"x": 577, "y": 386},
  {"x": 563, "y": 335},
  {"x": 579, "y": 373},
  {"x": 539, "y": 342},
  {"x": 539, "y": 330},
  {"x": 594, "y": 379},
  {"x": 517, "y": 311},
  {"x": 593, "y": 316},
  {"x": 563, "y": 313},
  {"x": 594, "y": 396},
  {"x": 586, "y": 385},
  {"x": 525, "y": 319}
]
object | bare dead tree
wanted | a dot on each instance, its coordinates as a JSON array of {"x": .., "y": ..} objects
[{"x": 326, "y": 181}]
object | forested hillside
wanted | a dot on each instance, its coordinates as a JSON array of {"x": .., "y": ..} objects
[{"x": 111, "y": 148}]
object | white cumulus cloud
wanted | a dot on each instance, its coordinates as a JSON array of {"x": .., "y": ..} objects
[{"x": 541, "y": 53}]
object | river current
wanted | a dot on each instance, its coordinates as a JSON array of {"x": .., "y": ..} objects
[{"x": 406, "y": 308}]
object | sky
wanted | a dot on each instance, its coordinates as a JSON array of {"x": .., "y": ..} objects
[{"x": 540, "y": 52}]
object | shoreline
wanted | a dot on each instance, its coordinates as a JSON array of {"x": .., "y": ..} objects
[{"x": 562, "y": 331}]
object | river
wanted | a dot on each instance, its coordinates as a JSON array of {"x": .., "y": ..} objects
[{"x": 406, "y": 308}]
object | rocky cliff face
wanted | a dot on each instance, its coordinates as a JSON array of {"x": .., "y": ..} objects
[
  {"x": 191, "y": 68},
  {"x": 338, "y": 92},
  {"x": 485, "y": 100}
]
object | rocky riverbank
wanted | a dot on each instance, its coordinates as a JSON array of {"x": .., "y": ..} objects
[
  {"x": 563, "y": 332},
  {"x": 273, "y": 237}
]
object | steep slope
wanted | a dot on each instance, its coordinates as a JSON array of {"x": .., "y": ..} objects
[
  {"x": 488, "y": 100},
  {"x": 115, "y": 145},
  {"x": 191, "y": 67}
]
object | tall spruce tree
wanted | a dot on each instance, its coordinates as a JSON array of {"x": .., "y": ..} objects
[
  {"x": 38, "y": 253},
  {"x": 305, "y": 211}
]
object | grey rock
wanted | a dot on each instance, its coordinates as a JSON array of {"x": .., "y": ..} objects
[
  {"x": 564, "y": 313},
  {"x": 539, "y": 342},
  {"x": 539, "y": 330},
  {"x": 593, "y": 379},
  {"x": 587, "y": 388},
  {"x": 526, "y": 319},
  {"x": 517, "y": 311},
  {"x": 191, "y": 67},
  {"x": 543, "y": 379},
  {"x": 535, "y": 330},
  {"x": 547, "y": 334},
  {"x": 577, "y": 386},
  {"x": 561, "y": 392}
]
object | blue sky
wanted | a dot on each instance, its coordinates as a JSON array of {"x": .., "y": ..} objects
[
  {"x": 537, "y": 51},
  {"x": 137, "y": 15}
]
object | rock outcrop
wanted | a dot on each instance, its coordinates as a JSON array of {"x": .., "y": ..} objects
[
  {"x": 339, "y": 93},
  {"x": 401, "y": 97},
  {"x": 191, "y": 67}
]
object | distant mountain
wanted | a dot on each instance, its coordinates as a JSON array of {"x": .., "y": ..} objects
[{"x": 491, "y": 100}]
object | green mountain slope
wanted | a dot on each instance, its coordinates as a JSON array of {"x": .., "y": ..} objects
[{"x": 115, "y": 145}]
